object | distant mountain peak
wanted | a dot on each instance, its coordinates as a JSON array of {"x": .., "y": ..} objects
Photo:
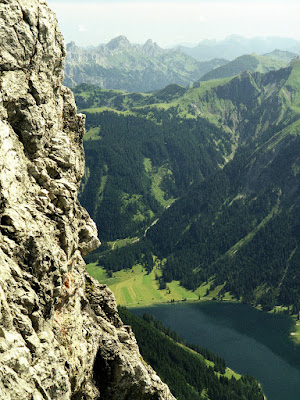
[
  {"x": 295, "y": 61},
  {"x": 149, "y": 43},
  {"x": 70, "y": 46},
  {"x": 151, "y": 47},
  {"x": 282, "y": 55},
  {"x": 120, "y": 42},
  {"x": 235, "y": 45}
]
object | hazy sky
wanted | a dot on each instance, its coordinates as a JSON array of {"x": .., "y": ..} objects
[{"x": 170, "y": 22}]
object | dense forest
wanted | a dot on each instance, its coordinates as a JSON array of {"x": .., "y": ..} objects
[
  {"x": 205, "y": 179},
  {"x": 121, "y": 193},
  {"x": 191, "y": 371}
]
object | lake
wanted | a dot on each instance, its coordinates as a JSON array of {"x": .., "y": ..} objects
[{"x": 252, "y": 342}]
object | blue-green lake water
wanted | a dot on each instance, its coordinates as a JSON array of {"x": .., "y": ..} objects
[{"x": 251, "y": 342}]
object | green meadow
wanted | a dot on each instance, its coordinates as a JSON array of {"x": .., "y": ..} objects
[{"x": 135, "y": 287}]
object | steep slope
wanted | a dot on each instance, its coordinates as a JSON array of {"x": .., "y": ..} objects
[
  {"x": 237, "y": 227},
  {"x": 282, "y": 55},
  {"x": 251, "y": 62},
  {"x": 192, "y": 372},
  {"x": 60, "y": 333},
  {"x": 131, "y": 67},
  {"x": 143, "y": 160},
  {"x": 241, "y": 226}
]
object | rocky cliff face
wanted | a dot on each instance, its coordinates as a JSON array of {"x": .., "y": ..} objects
[{"x": 60, "y": 334}]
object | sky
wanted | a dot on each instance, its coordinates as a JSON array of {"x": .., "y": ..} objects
[{"x": 170, "y": 22}]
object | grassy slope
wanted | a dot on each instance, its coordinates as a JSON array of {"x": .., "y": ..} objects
[
  {"x": 156, "y": 175},
  {"x": 288, "y": 94},
  {"x": 229, "y": 373},
  {"x": 253, "y": 63},
  {"x": 91, "y": 99}
]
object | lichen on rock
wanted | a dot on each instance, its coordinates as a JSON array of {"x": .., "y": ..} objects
[{"x": 60, "y": 333}]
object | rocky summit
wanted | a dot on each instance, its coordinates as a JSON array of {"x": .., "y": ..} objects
[
  {"x": 60, "y": 333},
  {"x": 122, "y": 65}
]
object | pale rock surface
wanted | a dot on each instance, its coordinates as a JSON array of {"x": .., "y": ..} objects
[{"x": 60, "y": 334}]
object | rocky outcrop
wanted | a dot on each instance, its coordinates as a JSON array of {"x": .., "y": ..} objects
[{"x": 60, "y": 334}]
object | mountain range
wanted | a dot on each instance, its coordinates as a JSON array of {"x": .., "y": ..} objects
[
  {"x": 205, "y": 179},
  {"x": 122, "y": 65},
  {"x": 234, "y": 46},
  {"x": 251, "y": 62},
  {"x": 132, "y": 67}
]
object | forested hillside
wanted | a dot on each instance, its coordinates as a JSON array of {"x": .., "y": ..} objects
[
  {"x": 214, "y": 169},
  {"x": 139, "y": 167},
  {"x": 191, "y": 372}
]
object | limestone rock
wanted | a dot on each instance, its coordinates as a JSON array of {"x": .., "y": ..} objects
[
  {"x": 60, "y": 333},
  {"x": 144, "y": 68}
]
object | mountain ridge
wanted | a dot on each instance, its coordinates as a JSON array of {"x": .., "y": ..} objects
[
  {"x": 234, "y": 46},
  {"x": 252, "y": 63},
  {"x": 132, "y": 67}
]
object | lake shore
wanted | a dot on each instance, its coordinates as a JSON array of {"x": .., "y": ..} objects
[
  {"x": 136, "y": 288},
  {"x": 252, "y": 342}
]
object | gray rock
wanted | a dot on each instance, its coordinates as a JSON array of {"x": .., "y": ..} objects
[
  {"x": 60, "y": 333},
  {"x": 144, "y": 68}
]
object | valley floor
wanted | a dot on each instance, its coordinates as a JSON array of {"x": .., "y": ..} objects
[{"x": 137, "y": 288}]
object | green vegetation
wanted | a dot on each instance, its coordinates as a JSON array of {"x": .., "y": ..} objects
[
  {"x": 208, "y": 179},
  {"x": 147, "y": 163},
  {"x": 93, "y": 134},
  {"x": 137, "y": 287},
  {"x": 296, "y": 334},
  {"x": 249, "y": 62},
  {"x": 157, "y": 176},
  {"x": 192, "y": 372},
  {"x": 286, "y": 56}
]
